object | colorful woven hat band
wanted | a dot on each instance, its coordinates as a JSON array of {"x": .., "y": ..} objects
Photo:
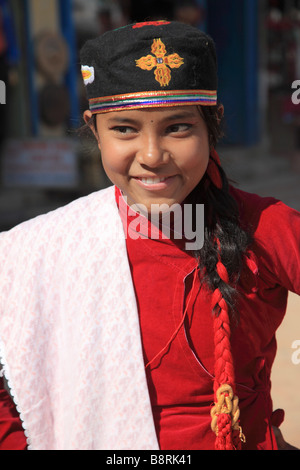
[
  {"x": 148, "y": 65},
  {"x": 152, "y": 99}
]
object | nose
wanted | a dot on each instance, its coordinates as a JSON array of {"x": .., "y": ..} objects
[{"x": 151, "y": 152}]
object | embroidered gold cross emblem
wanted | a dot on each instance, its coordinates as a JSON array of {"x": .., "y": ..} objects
[{"x": 161, "y": 62}]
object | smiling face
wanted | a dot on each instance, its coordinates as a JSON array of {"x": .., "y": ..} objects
[{"x": 155, "y": 156}]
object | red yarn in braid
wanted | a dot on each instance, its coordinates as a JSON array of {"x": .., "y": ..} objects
[
  {"x": 225, "y": 413},
  {"x": 213, "y": 170}
]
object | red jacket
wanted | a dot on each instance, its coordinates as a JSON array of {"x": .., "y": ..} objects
[{"x": 181, "y": 378}]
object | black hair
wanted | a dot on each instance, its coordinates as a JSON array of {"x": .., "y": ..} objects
[{"x": 224, "y": 238}]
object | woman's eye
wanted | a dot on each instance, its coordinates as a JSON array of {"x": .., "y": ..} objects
[
  {"x": 177, "y": 128},
  {"x": 123, "y": 129}
]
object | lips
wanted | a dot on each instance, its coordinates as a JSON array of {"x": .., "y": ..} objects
[
  {"x": 154, "y": 180},
  {"x": 155, "y": 183}
]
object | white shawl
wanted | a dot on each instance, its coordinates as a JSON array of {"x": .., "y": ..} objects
[{"x": 70, "y": 340}]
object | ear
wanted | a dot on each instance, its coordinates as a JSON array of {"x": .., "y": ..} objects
[
  {"x": 87, "y": 117},
  {"x": 220, "y": 112}
]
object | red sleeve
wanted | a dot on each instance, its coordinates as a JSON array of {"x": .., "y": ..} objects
[
  {"x": 11, "y": 431},
  {"x": 278, "y": 237},
  {"x": 276, "y": 232}
]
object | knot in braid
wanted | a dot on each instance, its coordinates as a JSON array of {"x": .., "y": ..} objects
[{"x": 225, "y": 413}]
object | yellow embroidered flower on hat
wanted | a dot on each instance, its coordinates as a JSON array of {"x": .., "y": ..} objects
[{"x": 161, "y": 62}]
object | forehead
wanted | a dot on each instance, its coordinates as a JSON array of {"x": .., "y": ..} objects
[{"x": 157, "y": 114}]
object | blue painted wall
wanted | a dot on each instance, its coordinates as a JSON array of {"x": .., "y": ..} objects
[{"x": 234, "y": 26}]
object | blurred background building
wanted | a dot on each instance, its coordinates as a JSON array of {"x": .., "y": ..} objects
[{"x": 44, "y": 161}]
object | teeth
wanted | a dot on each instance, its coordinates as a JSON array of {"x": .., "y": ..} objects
[{"x": 152, "y": 180}]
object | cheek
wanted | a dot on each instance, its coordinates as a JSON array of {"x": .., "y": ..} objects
[
  {"x": 114, "y": 172},
  {"x": 113, "y": 160},
  {"x": 197, "y": 160}
]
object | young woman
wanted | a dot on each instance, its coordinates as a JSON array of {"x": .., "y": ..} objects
[{"x": 122, "y": 331}]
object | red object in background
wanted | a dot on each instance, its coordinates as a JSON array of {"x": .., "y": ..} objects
[{"x": 150, "y": 23}]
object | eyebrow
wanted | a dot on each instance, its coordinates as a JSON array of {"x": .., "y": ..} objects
[
  {"x": 121, "y": 120},
  {"x": 171, "y": 117},
  {"x": 181, "y": 115}
]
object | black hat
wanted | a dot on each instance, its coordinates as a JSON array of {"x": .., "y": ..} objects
[{"x": 152, "y": 64}]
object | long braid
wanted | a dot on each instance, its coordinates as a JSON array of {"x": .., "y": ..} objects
[
  {"x": 225, "y": 413},
  {"x": 221, "y": 260},
  {"x": 224, "y": 369}
]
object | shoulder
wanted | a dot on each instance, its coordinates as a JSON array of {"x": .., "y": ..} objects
[
  {"x": 275, "y": 229},
  {"x": 247, "y": 202},
  {"x": 264, "y": 214}
]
